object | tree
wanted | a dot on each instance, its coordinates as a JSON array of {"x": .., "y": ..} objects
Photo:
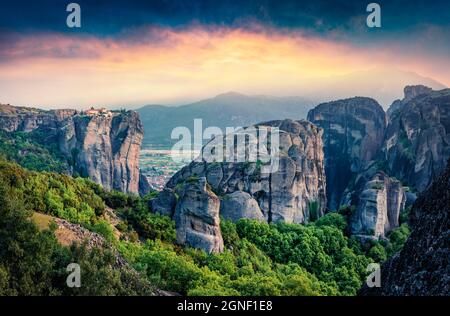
[
  {"x": 101, "y": 274},
  {"x": 333, "y": 219},
  {"x": 32, "y": 262},
  {"x": 26, "y": 255}
]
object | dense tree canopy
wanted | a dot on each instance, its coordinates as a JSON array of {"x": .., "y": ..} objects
[
  {"x": 259, "y": 258},
  {"x": 32, "y": 262}
]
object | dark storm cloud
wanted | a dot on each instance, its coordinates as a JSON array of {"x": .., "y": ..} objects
[
  {"x": 105, "y": 17},
  {"x": 417, "y": 24}
]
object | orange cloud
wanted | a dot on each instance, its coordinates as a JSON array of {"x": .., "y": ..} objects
[{"x": 166, "y": 65}]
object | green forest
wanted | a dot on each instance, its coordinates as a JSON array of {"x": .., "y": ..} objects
[{"x": 260, "y": 259}]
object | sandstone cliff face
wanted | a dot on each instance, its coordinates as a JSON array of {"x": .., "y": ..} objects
[
  {"x": 294, "y": 193},
  {"x": 104, "y": 148},
  {"x": 197, "y": 217},
  {"x": 165, "y": 203},
  {"x": 291, "y": 193},
  {"x": 238, "y": 205},
  {"x": 353, "y": 134},
  {"x": 14, "y": 119},
  {"x": 422, "y": 267},
  {"x": 379, "y": 200},
  {"x": 417, "y": 142}
]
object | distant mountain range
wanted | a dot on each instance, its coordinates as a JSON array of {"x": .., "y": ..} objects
[
  {"x": 226, "y": 110},
  {"x": 236, "y": 109}
]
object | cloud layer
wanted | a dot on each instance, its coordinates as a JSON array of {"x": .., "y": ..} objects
[
  {"x": 137, "y": 52},
  {"x": 169, "y": 65}
]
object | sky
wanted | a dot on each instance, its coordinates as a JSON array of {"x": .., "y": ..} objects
[{"x": 132, "y": 53}]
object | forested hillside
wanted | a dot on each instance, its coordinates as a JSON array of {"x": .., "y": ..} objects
[{"x": 259, "y": 259}]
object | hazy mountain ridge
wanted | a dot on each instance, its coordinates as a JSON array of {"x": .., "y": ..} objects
[
  {"x": 226, "y": 110},
  {"x": 237, "y": 109}
]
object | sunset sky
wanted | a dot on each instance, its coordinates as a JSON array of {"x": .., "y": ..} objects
[{"x": 130, "y": 53}]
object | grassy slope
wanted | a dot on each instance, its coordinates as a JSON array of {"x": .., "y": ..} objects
[{"x": 65, "y": 236}]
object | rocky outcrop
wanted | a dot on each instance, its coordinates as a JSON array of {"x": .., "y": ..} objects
[
  {"x": 240, "y": 205},
  {"x": 144, "y": 186},
  {"x": 294, "y": 192},
  {"x": 23, "y": 119},
  {"x": 165, "y": 203},
  {"x": 197, "y": 217},
  {"x": 410, "y": 93},
  {"x": 290, "y": 187},
  {"x": 413, "y": 148},
  {"x": 422, "y": 267},
  {"x": 413, "y": 91},
  {"x": 378, "y": 201},
  {"x": 103, "y": 147},
  {"x": 417, "y": 142},
  {"x": 353, "y": 134},
  {"x": 68, "y": 233}
]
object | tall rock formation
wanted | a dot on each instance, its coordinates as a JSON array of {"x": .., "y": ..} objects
[
  {"x": 104, "y": 147},
  {"x": 422, "y": 267},
  {"x": 294, "y": 192},
  {"x": 197, "y": 217},
  {"x": 290, "y": 194},
  {"x": 417, "y": 142},
  {"x": 378, "y": 201},
  {"x": 353, "y": 134},
  {"x": 362, "y": 154}
]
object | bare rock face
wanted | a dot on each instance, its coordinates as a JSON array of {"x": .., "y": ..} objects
[
  {"x": 417, "y": 143},
  {"x": 422, "y": 267},
  {"x": 165, "y": 203},
  {"x": 353, "y": 134},
  {"x": 197, "y": 217},
  {"x": 13, "y": 119},
  {"x": 413, "y": 91},
  {"x": 240, "y": 205},
  {"x": 294, "y": 193},
  {"x": 144, "y": 186},
  {"x": 410, "y": 93},
  {"x": 379, "y": 200},
  {"x": 103, "y": 147}
]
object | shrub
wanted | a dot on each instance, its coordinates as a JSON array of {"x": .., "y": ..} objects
[
  {"x": 104, "y": 228},
  {"x": 32, "y": 262},
  {"x": 378, "y": 253},
  {"x": 332, "y": 219},
  {"x": 397, "y": 238},
  {"x": 404, "y": 215},
  {"x": 54, "y": 194},
  {"x": 151, "y": 226}
]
